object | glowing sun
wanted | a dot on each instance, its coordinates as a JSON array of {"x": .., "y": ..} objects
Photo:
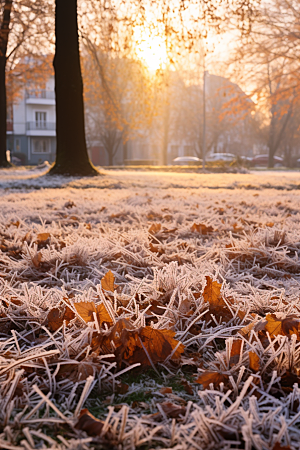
[{"x": 150, "y": 49}]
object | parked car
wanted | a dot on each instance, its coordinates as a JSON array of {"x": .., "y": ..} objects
[
  {"x": 263, "y": 161},
  {"x": 187, "y": 161},
  {"x": 226, "y": 157}
]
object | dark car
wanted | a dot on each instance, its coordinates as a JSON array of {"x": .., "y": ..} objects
[{"x": 263, "y": 161}]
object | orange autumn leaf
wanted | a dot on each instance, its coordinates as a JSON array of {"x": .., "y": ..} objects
[
  {"x": 245, "y": 331},
  {"x": 103, "y": 315},
  {"x": 155, "y": 249},
  {"x": 166, "y": 390},
  {"x": 212, "y": 293},
  {"x": 42, "y": 238},
  {"x": 201, "y": 228},
  {"x": 269, "y": 224},
  {"x": 154, "y": 228},
  {"x": 144, "y": 344},
  {"x": 37, "y": 259},
  {"x": 108, "y": 281},
  {"x": 206, "y": 378},
  {"x": 254, "y": 361},
  {"x": 273, "y": 325},
  {"x": 88, "y": 423},
  {"x": 86, "y": 311},
  {"x": 217, "y": 305},
  {"x": 235, "y": 352},
  {"x": 168, "y": 335}
]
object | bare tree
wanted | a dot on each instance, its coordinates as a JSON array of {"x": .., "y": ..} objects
[{"x": 4, "y": 34}]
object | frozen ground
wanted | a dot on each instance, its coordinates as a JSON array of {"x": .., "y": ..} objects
[
  {"x": 23, "y": 178},
  {"x": 139, "y": 225}
]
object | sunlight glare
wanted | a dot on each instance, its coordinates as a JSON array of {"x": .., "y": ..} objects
[{"x": 150, "y": 49}]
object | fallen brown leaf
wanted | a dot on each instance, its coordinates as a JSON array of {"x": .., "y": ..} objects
[
  {"x": 154, "y": 228},
  {"x": 206, "y": 378},
  {"x": 254, "y": 361},
  {"x": 201, "y": 228},
  {"x": 37, "y": 259},
  {"x": 173, "y": 411},
  {"x": 217, "y": 305},
  {"x": 278, "y": 446},
  {"x": 235, "y": 352},
  {"x": 108, "y": 282},
  {"x": 166, "y": 390},
  {"x": 55, "y": 319},
  {"x": 88, "y": 423},
  {"x": 142, "y": 345},
  {"x": 86, "y": 310},
  {"x": 43, "y": 238}
]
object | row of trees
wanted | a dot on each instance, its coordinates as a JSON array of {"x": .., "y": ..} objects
[{"x": 124, "y": 98}]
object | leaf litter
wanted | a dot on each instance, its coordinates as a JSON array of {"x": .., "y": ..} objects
[{"x": 121, "y": 327}]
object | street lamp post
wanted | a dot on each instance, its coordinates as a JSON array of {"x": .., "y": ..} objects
[{"x": 205, "y": 73}]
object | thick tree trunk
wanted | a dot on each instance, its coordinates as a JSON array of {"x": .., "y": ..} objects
[
  {"x": 4, "y": 32},
  {"x": 71, "y": 152}
]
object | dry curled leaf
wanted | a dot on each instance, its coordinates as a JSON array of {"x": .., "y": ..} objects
[
  {"x": 286, "y": 327},
  {"x": 37, "y": 259},
  {"x": 254, "y": 361},
  {"x": 206, "y": 378},
  {"x": 217, "y": 305},
  {"x": 278, "y": 446},
  {"x": 146, "y": 345},
  {"x": 86, "y": 311},
  {"x": 201, "y": 228},
  {"x": 154, "y": 228},
  {"x": 108, "y": 282},
  {"x": 166, "y": 390},
  {"x": 56, "y": 318},
  {"x": 245, "y": 331},
  {"x": 69, "y": 204},
  {"x": 88, "y": 423},
  {"x": 156, "y": 249},
  {"x": 43, "y": 238},
  {"x": 235, "y": 352},
  {"x": 273, "y": 325},
  {"x": 173, "y": 411},
  {"x": 212, "y": 292}
]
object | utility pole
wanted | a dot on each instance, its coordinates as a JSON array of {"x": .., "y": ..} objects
[{"x": 205, "y": 72}]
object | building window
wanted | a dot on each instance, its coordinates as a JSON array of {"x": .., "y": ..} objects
[
  {"x": 40, "y": 119},
  {"x": 18, "y": 145},
  {"x": 40, "y": 146}
]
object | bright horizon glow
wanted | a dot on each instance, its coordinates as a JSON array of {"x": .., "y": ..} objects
[{"x": 150, "y": 49}]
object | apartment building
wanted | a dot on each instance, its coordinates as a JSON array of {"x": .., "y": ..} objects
[{"x": 31, "y": 125}]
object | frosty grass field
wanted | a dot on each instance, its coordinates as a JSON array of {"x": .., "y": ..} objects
[{"x": 165, "y": 304}]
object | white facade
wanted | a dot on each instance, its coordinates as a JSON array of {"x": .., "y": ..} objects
[{"x": 33, "y": 137}]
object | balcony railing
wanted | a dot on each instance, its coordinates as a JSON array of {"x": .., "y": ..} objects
[
  {"x": 42, "y": 93},
  {"x": 50, "y": 126}
]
